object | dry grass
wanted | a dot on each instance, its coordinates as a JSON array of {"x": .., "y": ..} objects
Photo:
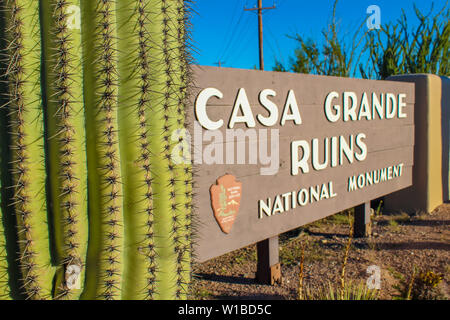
[
  {"x": 323, "y": 262},
  {"x": 344, "y": 290}
]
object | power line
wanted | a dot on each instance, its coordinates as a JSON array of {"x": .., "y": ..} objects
[
  {"x": 240, "y": 39},
  {"x": 276, "y": 50},
  {"x": 237, "y": 37},
  {"x": 245, "y": 38},
  {"x": 227, "y": 34},
  {"x": 232, "y": 37}
]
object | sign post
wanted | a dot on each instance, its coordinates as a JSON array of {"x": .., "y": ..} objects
[
  {"x": 273, "y": 151},
  {"x": 268, "y": 265},
  {"x": 361, "y": 224}
]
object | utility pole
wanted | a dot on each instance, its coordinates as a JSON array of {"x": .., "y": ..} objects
[
  {"x": 219, "y": 63},
  {"x": 260, "y": 29}
]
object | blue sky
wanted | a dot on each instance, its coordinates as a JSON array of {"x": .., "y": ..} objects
[{"x": 223, "y": 30}]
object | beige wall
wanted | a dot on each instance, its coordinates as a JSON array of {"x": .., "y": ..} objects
[
  {"x": 446, "y": 136},
  {"x": 430, "y": 172}
]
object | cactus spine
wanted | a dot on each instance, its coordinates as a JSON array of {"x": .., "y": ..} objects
[
  {"x": 6, "y": 218},
  {"x": 138, "y": 192},
  {"x": 105, "y": 179},
  {"x": 160, "y": 117},
  {"x": 27, "y": 145},
  {"x": 96, "y": 97},
  {"x": 183, "y": 168},
  {"x": 175, "y": 62},
  {"x": 4, "y": 277},
  {"x": 66, "y": 132}
]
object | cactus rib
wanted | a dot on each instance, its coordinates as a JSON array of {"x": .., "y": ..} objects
[
  {"x": 27, "y": 131},
  {"x": 66, "y": 132},
  {"x": 184, "y": 169},
  {"x": 4, "y": 277},
  {"x": 95, "y": 200},
  {"x": 134, "y": 75},
  {"x": 175, "y": 59},
  {"x": 158, "y": 115},
  {"x": 104, "y": 168}
]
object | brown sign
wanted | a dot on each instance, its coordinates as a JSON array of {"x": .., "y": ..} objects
[
  {"x": 303, "y": 146},
  {"x": 225, "y": 201}
]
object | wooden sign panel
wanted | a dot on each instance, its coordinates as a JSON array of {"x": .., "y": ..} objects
[{"x": 274, "y": 151}]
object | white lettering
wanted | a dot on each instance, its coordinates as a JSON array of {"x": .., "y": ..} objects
[
  {"x": 271, "y": 120},
  {"x": 332, "y": 117},
  {"x": 297, "y": 163},
  {"x": 291, "y": 104},
  {"x": 243, "y": 105},
  {"x": 200, "y": 108}
]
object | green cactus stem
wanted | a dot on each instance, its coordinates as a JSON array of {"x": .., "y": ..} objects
[
  {"x": 9, "y": 270},
  {"x": 66, "y": 141},
  {"x": 184, "y": 179},
  {"x": 159, "y": 122},
  {"x": 175, "y": 57},
  {"x": 4, "y": 277},
  {"x": 27, "y": 146},
  {"x": 95, "y": 169},
  {"x": 105, "y": 252},
  {"x": 5, "y": 291},
  {"x": 134, "y": 89}
]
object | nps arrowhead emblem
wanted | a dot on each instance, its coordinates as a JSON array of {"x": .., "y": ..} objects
[{"x": 225, "y": 201}]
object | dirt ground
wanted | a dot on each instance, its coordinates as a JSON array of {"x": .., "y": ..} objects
[{"x": 399, "y": 245}]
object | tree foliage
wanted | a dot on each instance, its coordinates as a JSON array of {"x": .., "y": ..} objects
[{"x": 393, "y": 49}]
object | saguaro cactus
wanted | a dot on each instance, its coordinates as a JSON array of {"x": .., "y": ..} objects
[{"x": 96, "y": 96}]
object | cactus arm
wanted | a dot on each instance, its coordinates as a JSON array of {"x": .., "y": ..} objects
[
  {"x": 134, "y": 74},
  {"x": 105, "y": 254},
  {"x": 66, "y": 140},
  {"x": 27, "y": 145}
]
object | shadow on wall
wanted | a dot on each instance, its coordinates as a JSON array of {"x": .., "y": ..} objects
[{"x": 445, "y": 102}]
